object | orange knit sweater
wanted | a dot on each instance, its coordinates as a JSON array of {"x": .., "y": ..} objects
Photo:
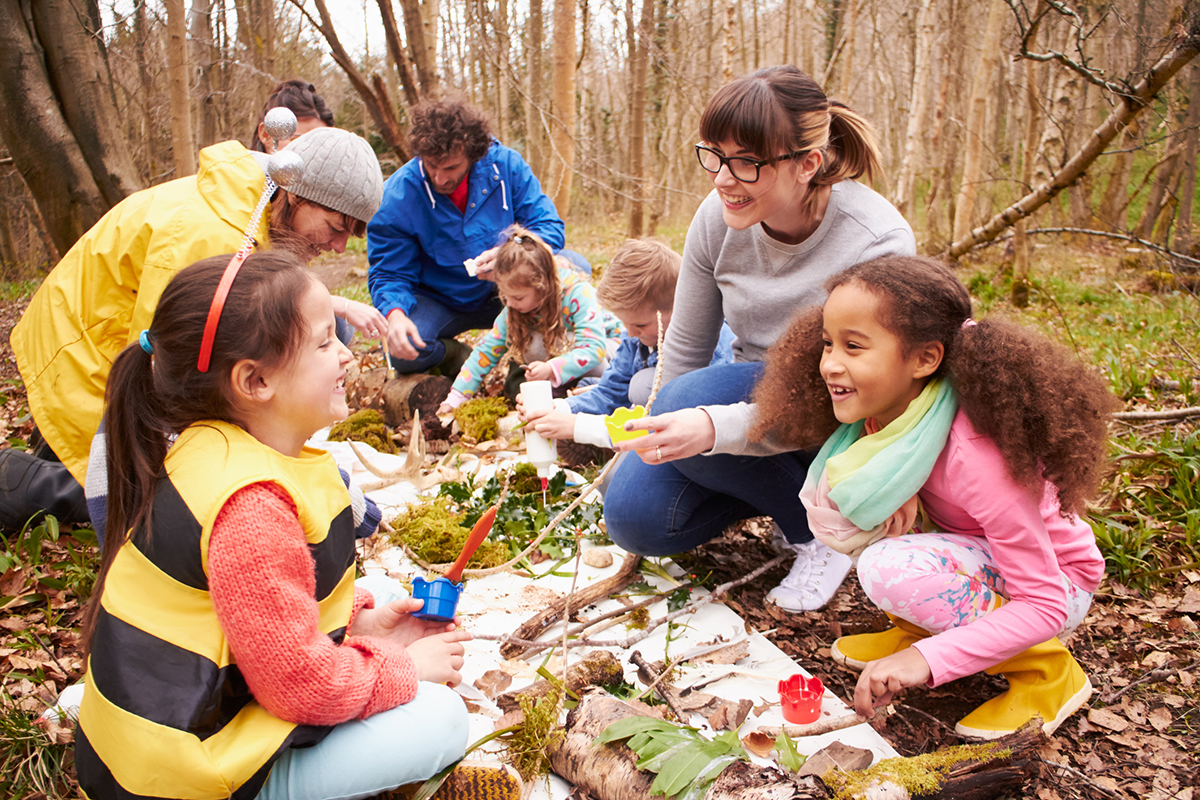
[{"x": 262, "y": 583}]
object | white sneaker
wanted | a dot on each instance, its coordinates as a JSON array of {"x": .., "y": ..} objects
[{"x": 816, "y": 575}]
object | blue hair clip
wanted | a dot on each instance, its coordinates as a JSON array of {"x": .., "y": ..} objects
[{"x": 144, "y": 341}]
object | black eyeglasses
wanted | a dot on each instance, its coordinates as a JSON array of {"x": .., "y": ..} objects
[{"x": 743, "y": 169}]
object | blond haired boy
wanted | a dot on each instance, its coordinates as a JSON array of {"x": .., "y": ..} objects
[{"x": 637, "y": 287}]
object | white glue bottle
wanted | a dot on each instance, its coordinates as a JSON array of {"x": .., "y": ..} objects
[{"x": 537, "y": 396}]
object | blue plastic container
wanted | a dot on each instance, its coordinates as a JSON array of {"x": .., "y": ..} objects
[{"x": 440, "y": 596}]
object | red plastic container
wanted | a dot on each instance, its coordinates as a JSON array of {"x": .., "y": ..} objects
[{"x": 800, "y": 698}]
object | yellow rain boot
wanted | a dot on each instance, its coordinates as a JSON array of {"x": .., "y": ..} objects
[
  {"x": 855, "y": 651},
  {"x": 1044, "y": 681}
]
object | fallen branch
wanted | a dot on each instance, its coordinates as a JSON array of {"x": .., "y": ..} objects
[
  {"x": 1175, "y": 413},
  {"x": 654, "y": 679},
  {"x": 1125, "y": 237},
  {"x": 821, "y": 726},
  {"x": 529, "y": 629},
  {"x": 520, "y": 645},
  {"x": 1153, "y": 676}
]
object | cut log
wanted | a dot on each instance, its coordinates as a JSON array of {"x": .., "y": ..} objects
[
  {"x": 533, "y": 627},
  {"x": 417, "y": 392},
  {"x": 608, "y": 772}
]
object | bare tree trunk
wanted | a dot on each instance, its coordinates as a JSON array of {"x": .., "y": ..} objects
[
  {"x": 727, "y": 36},
  {"x": 562, "y": 124},
  {"x": 183, "y": 145},
  {"x": 904, "y": 195},
  {"x": 503, "y": 70},
  {"x": 43, "y": 146},
  {"x": 637, "y": 121},
  {"x": 391, "y": 36},
  {"x": 206, "y": 56},
  {"x": 77, "y": 67},
  {"x": 534, "y": 126},
  {"x": 1127, "y": 108},
  {"x": 1020, "y": 284},
  {"x": 1187, "y": 190},
  {"x": 421, "y": 28},
  {"x": 977, "y": 119},
  {"x": 1159, "y": 193}
]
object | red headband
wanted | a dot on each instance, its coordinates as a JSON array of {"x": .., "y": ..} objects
[{"x": 218, "y": 305}]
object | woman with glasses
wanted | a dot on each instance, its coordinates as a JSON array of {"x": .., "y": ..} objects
[{"x": 785, "y": 215}]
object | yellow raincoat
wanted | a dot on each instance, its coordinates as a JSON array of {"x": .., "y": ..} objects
[{"x": 104, "y": 291}]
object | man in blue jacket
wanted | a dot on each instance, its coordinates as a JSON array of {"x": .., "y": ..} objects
[{"x": 433, "y": 240}]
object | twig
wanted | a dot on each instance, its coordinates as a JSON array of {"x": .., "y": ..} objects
[
  {"x": 1175, "y": 413},
  {"x": 932, "y": 719},
  {"x": 821, "y": 726},
  {"x": 654, "y": 679},
  {"x": 1153, "y": 676},
  {"x": 49, "y": 652},
  {"x": 1080, "y": 776},
  {"x": 629, "y": 641},
  {"x": 619, "y": 612}
]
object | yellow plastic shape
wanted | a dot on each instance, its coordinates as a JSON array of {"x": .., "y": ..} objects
[{"x": 616, "y": 423}]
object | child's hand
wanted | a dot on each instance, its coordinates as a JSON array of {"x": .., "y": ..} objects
[
  {"x": 553, "y": 423},
  {"x": 439, "y": 658},
  {"x": 881, "y": 680},
  {"x": 452, "y": 401},
  {"x": 395, "y": 621},
  {"x": 539, "y": 371}
]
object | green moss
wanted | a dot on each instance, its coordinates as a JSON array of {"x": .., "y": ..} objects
[
  {"x": 436, "y": 535},
  {"x": 525, "y": 479},
  {"x": 919, "y": 775},
  {"x": 477, "y": 418},
  {"x": 364, "y": 426},
  {"x": 639, "y": 618},
  {"x": 528, "y": 748}
]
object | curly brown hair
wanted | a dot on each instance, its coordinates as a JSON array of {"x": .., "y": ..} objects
[
  {"x": 1047, "y": 411},
  {"x": 442, "y": 127},
  {"x": 524, "y": 261}
]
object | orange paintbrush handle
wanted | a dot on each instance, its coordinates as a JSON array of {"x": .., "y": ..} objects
[{"x": 480, "y": 532}]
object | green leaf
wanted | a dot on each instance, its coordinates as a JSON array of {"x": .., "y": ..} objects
[
  {"x": 788, "y": 757},
  {"x": 679, "y": 769},
  {"x": 624, "y": 728}
]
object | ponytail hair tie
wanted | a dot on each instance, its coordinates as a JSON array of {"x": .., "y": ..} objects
[
  {"x": 144, "y": 341},
  {"x": 969, "y": 323}
]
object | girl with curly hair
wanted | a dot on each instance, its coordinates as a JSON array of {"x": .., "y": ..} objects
[
  {"x": 957, "y": 459},
  {"x": 786, "y": 212},
  {"x": 550, "y": 321}
]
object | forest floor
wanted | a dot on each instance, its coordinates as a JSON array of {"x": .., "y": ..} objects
[{"x": 1138, "y": 737}]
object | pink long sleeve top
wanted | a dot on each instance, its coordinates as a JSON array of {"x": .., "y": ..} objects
[
  {"x": 970, "y": 492},
  {"x": 262, "y": 582}
]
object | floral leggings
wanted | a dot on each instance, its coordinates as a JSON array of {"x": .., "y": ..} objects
[{"x": 940, "y": 581}]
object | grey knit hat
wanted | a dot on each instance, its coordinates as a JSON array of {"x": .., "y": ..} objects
[{"x": 340, "y": 172}]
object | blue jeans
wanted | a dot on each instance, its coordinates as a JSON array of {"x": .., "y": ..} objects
[
  {"x": 435, "y": 320},
  {"x": 658, "y": 510},
  {"x": 366, "y": 757}
]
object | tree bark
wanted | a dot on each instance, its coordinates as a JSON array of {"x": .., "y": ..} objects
[
  {"x": 976, "y": 125},
  {"x": 391, "y": 35},
  {"x": 77, "y": 66},
  {"x": 562, "y": 108},
  {"x": 44, "y": 149},
  {"x": 1020, "y": 284},
  {"x": 1187, "y": 190},
  {"x": 637, "y": 118},
  {"x": 421, "y": 28},
  {"x": 183, "y": 145},
  {"x": 904, "y": 196},
  {"x": 1127, "y": 108},
  {"x": 207, "y": 56},
  {"x": 535, "y": 136}
]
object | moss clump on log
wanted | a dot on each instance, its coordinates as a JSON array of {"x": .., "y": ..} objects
[
  {"x": 477, "y": 418},
  {"x": 364, "y": 426},
  {"x": 919, "y": 775},
  {"x": 436, "y": 535}
]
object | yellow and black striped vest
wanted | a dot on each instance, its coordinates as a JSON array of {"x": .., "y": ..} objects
[{"x": 166, "y": 712}]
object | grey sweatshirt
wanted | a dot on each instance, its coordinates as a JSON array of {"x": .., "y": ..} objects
[{"x": 757, "y": 284}]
